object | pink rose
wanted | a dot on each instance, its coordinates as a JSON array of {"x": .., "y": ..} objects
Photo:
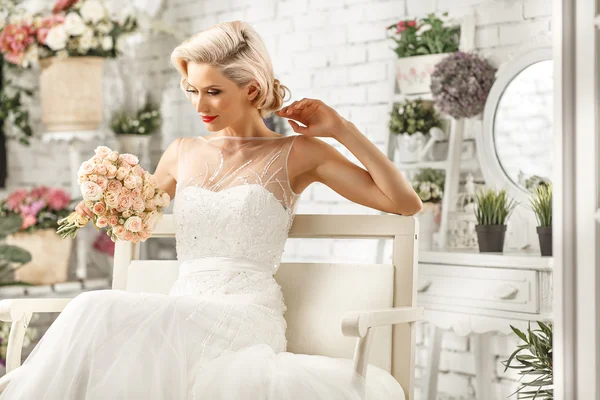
[
  {"x": 111, "y": 198},
  {"x": 150, "y": 205},
  {"x": 62, "y": 5},
  {"x": 134, "y": 224},
  {"x": 111, "y": 171},
  {"x": 119, "y": 230},
  {"x": 148, "y": 191},
  {"x": 150, "y": 179},
  {"x": 102, "y": 151},
  {"x": 39, "y": 192},
  {"x": 99, "y": 208},
  {"x": 127, "y": 213},
  {"x": 101, "y": 169},
  {"x": 128, "y": 236},
  {"x": 87, "y": 168},
  {"x": 114, "y": 185},
  {"x": 125, "y": 192},
  {"x": 91, "y": 191},
  {"x": 166, "y": 199},
  {"x": 129, "y": 159},
  {"x": 124, "y": 203},
  {"x": 113, "y": 156},
  {"x": 102, "y": 181},
  {"x": 137, "y": 192},
  {"x": 113, "y": 220},
  {"x": 121, "y": 173},
  {"x": 143, "y": 235},
  {"x": 138, "y": 205},
  {"x": 101, "y": 222},
  {"x": 130, "y": 182},
  {"x": 137, "y": 171}
]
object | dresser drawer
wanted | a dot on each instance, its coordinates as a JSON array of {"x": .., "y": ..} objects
[{"x": 502, "y": 289}]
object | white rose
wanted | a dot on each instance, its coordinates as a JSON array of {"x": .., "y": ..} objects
[
  {"x": 107, "y": 43},
  {"x": 86, "y": 40},
  {"x": 92, "y": 11},
  {"x": 74, "y": 25},
  {"x": 57, "y": 37},
  {"x": 105, "y": 27},
  {"x": 91, "y": 191}
]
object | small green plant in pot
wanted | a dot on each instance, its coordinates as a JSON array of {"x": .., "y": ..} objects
[
  {"x": 493, "y": 208},
  {"x": 541, "y": 202},
  {"x": 413, "y": 122},
  {"x": 533, "y": 360}
]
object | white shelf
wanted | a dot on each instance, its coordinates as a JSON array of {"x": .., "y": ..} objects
[
  {"x": 423, "y": 164},
  {"x": 399, "y": 97}
]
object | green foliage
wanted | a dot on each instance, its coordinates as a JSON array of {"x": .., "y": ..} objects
[
  {"x": 541, "y": 202},
  {"x": 144, "y": 122},
  {"x": 430, "y": 35},
  {"x": 413, "y": 116},
  {"x": 533, "y": 360},
  {"x": 493, "y": 207},
  {"x": 11, "y": 257}
]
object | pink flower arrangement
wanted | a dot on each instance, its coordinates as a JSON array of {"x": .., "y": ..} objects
[
  {"x": 121, "y": 195},
  {"x": 74, "y": 28},
  {"x": 39, "y": 208}
]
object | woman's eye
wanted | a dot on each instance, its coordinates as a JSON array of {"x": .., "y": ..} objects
[
  {"x": 190, "y": 91},
  {"x": 213, "y": 92}
]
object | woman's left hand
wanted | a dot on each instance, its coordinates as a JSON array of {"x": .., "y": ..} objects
[{"x": 320, "y": 119}]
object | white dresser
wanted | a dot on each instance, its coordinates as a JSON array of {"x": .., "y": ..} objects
[{"x": 480, "y": 293}]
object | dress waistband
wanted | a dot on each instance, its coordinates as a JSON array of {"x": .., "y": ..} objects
[{"x": 221, "y": 263}]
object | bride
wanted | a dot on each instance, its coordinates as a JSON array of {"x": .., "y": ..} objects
[{"x": 220, "y": 332}]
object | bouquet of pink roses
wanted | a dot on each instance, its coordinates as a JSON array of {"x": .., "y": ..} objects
[{"x": 122, "y": 197}]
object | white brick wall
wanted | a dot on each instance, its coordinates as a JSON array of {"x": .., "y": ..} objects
[{"x": 335, "y": 50}]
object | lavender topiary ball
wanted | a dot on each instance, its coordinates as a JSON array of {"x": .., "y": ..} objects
[{"x": 461, "y": 83}]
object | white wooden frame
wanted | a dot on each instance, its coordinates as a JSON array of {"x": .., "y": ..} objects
[
  {"x": 576, "y": 232},
  {"x": 486, "y": 147},
  {"x": 401, "y": 229}
]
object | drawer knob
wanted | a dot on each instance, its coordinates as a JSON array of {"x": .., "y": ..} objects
[
  {"x": 423, "y": 286},
  {"x": 506, "y": 292}
]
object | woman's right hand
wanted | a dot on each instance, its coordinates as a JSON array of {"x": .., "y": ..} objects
[{"x": 82, "y": 209}]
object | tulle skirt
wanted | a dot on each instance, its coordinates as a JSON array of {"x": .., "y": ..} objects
[{"x": 219, "y": 335}]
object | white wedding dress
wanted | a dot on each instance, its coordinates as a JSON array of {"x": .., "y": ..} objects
[{"x": 220, "y": 332}]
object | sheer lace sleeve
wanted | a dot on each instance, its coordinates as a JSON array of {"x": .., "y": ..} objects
[{"x": 224, "y": 162}]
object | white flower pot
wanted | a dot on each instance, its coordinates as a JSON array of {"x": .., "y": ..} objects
[
  {"x": 427, "y": 225},
  {"x": 413, "y": 74},
  {"x": 71, "y": 93},
  {"x": 410, "y": 147},
  {"x": 133, "y": 143}
]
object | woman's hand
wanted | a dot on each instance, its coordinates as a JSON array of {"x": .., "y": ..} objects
[
  {"x": 320, "y": 119},
  {"x": 82, "y": 209}
]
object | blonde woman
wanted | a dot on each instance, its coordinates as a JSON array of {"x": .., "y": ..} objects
[{"x": 220, "y": 332}]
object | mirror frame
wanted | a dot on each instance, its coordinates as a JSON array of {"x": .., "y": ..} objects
[{"x": 492, "y": 170}]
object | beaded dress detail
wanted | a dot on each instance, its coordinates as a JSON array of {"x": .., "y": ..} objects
[{"x": 219, "y": 334}]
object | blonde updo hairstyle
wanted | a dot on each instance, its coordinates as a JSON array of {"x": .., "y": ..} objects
[{"x": 239, "y": 53}]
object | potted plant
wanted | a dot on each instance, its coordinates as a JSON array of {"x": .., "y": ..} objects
[
  {"x": 461, "y": 83},
  {"x": 134, "y": 130},
  {"x": 39, "y": 209},
  {"x": 541, "y": 203},
  {"x": 420, "y": 45},
  {"x": 70, "y": 43},
  {"x": 414, "y": 122},
  {"x": 493, "y": 208},
  {"x": 429, "y": 185},
  {"x": 535, "y": 364}
]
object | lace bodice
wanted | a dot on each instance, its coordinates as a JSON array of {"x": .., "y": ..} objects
[{"x": 233, "y": 198}]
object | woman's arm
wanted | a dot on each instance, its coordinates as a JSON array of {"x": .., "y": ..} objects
[
  {"x": 380, "y": 186},
  {"x": 166, "y": 170}
]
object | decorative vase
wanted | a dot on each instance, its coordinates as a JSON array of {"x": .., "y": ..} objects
[
  {"x": 413, "y": 74},
  {"x": 71, "y": 93},
  {"x": 427, "y": 225},
  {"x": 410, "y": 146},
  {"x": 490, "y": 238},
  {"x": 545, "y": 238},
  {"x": 50, "y": 256}
]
